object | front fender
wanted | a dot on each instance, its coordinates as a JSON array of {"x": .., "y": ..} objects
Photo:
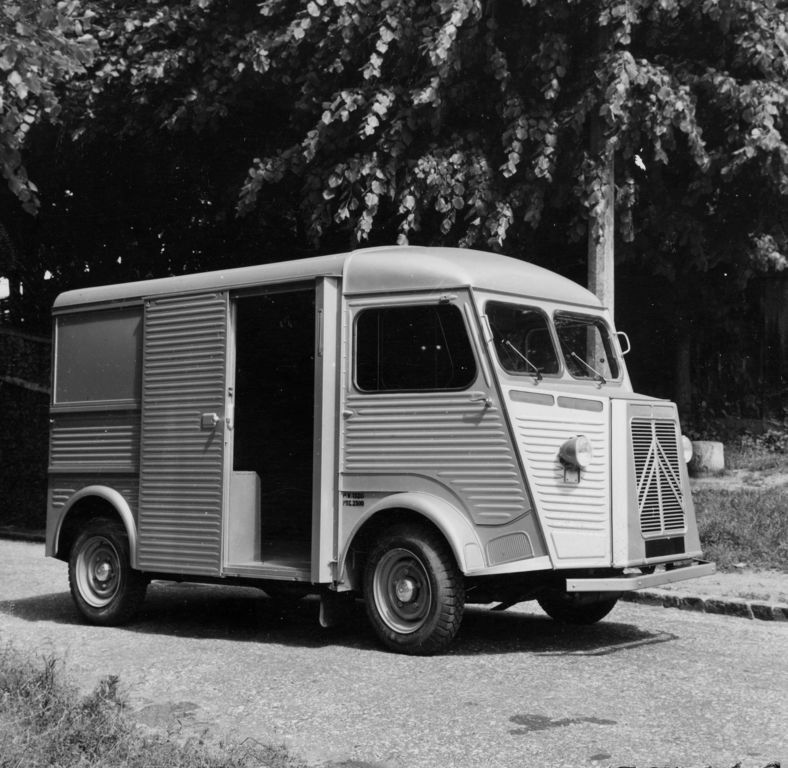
[
  {"x": 450, "y": 521},
  {"x": 114, "y": 499}
]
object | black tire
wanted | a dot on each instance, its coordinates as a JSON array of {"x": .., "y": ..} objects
[
  {"x": 413, "y": 590},
  {"x": 105, "y": 588},
  {"x": 578, "y": 607}
]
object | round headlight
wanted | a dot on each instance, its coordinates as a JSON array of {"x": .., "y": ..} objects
[
  {"x": 576, "y": 452},
  {"x": 686, "y": 446}
]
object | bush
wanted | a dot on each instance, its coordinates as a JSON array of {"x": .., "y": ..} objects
[{"x": 771, "y": 441}]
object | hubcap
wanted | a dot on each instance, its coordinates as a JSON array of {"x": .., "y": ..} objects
[
  {"x": 97, "y": 572},
  {"x": 104, "y": 571},
  {"x": 402, "y": 591},
  {"x": 405, "y": 590}
]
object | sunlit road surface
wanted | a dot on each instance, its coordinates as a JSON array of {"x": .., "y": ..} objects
[{"x": 646, "y": 687}]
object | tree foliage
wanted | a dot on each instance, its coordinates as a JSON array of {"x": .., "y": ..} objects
[
  {"x": 462, "y": 120},
  {"x": 43, "y": 44},
  {"x": 466, "y": 117}
]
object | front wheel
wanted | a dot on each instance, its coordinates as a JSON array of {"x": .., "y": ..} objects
[
  {"x": 578, "y": 607},
  {"x": 103, "y": 584},
  {"x": 413, "y": 591}
]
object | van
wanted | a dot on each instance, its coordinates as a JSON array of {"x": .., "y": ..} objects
[{"x": 422, "y": 427}]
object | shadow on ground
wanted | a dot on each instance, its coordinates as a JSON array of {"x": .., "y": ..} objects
[{"x": 247, "y": 615}]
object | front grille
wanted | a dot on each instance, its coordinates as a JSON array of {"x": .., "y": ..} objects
[{"x": 657, "y": 476}]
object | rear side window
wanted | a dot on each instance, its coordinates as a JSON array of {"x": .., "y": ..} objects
[
  {"x": 98, "y": 356},
  {"x": 413, "y": 348}
]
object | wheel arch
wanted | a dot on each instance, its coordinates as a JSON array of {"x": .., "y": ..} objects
[
  {"x": 452, "y": 525},
  {"x": 86, "y": 504}
]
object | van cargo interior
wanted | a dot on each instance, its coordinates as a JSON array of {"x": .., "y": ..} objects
[{"x": 274, "y": 432}]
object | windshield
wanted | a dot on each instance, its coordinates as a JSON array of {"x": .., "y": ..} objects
[
  {"x": 586, "y": 346},
  {"x": 522, "y": 339}
]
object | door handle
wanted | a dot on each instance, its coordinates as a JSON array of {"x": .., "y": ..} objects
[{"x": 481, "y": 397}]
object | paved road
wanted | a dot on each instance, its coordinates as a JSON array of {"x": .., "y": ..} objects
[{"x": 647, "y": 687}]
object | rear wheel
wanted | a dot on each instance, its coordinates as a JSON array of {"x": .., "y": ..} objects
[
  {"x": 413, "y": 590},
  {"x": 578, "y": 607},
  {"x": 103, "y": 584}
]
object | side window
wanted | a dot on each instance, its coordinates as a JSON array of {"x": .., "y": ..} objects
[
  {"x": 413, "y": 348},
  {"x": 98, "y": 356}
]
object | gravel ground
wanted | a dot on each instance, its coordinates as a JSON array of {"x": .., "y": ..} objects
[{"x": 646, "y": 687}]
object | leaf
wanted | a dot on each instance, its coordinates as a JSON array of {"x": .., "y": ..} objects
[{"x": 8, "y": 57}]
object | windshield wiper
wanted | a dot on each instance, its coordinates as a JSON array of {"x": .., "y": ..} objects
[
  {"x": 599, "y": 377},
  {"x": 537, "y": 372}
]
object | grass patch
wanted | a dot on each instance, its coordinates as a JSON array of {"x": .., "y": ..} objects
[
  {"x": 46, "y": 722},
  {"x": 744, "y": 526},
  {"x": 755, "y": 459},
  {"x": 767, "y": 452}
]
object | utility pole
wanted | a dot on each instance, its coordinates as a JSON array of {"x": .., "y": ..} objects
[{"x": 601, "y": 227}]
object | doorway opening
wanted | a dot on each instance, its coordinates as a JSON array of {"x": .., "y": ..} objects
[{"x": 273, "y": 441}]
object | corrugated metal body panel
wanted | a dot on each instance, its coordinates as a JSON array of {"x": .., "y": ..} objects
[
  {"x": 575, "y": 516},
  {"x": 62, "y": 489},
  {"x": 96, "y": 439},
  {"x": 658, "y": 476},
  {"x": 181, "y": 478},
  {"x": 443, "y": 436}
]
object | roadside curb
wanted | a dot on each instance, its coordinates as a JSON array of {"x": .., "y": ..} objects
[{"x": 745, "y": 609}]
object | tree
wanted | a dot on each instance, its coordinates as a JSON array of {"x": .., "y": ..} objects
[
  {"x": 43, "y": 44},
  {"x": 457, "y": 121}
]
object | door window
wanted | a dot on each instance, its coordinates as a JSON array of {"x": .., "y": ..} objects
[{"x": 422, "y": 347}]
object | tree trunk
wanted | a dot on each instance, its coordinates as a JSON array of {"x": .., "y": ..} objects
[
  {"x": 601, "y": 232},
  {"x": 601, "y": 227},
  {"x": 683, "y": 379}
]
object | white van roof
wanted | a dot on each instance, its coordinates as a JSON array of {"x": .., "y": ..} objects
[{"x": 389, "y": 269}]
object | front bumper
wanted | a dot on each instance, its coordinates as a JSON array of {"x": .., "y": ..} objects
[{"x": 633, "y": 581}]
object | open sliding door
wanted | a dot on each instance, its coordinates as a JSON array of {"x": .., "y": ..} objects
[{"x": 184, "y": 431}]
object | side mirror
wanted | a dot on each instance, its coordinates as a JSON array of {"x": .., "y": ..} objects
[{"x": 623, "y": 342}]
